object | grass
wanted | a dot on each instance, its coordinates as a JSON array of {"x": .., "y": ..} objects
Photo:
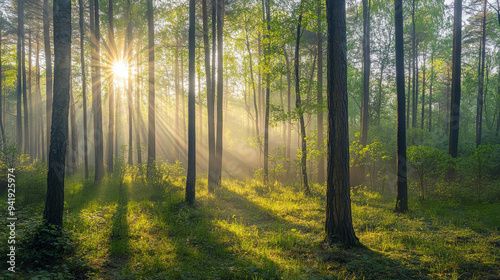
[{"x": 248, "y": 231}]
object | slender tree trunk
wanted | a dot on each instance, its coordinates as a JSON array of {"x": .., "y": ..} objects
[
  {"x": 48, "y": 69},
  {"x": 128, "y": 46},
  {"x": 479, "y": 115},
  {"x": 220, "y": 88},
  {"x": 38, "y": 101},
  {"x": 415, "y": 93},
  {"x": 210, "y": 98},
  {"x": 338, "y": 224},
  {"x": 250, "y": 62},
  {"x": 53, "y": 212},
  {"x": 20, "y": 36},
  {"x": 151, "y": 98},
  {"x": 191, "y": 172},
  {"x": 455, "y": 80},
  {"x": 138, "y": 103},
  {"x": 268, "y": 90},
  {"x": 73, "y": 152},
  {"x": 366, "y": 73},
  {"x": 498, "y": 101},
  {"x": 319, "y": 41},
  {"x": 378, "y": 107},
  {"x": 84, "y": 89},
  {"x": 177, "y": 96},
  {"x": 415, "y": 66},
  {"x": 30, "y": 103},
  {"x": 98, "y": 135},
  {"x": 25, "y": 97},
  {"x": 183, "y": 106},
  {"x": 289, "y": 102},
  {"x": 408, "y": 96},
  {"x": 111, "y": 86},
  {"x": 402, "y": 183},
  {"x": 298, "y": 104},
  {"x": 430, "y": 91},
  {"x": 423, "y": 94}
]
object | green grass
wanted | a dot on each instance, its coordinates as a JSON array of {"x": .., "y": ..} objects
[{"x": 248, "y": 231}]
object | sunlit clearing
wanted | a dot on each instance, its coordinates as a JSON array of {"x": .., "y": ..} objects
[{"x": 120, "y": 70}]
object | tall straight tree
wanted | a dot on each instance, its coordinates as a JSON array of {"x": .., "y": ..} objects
[
  {"x": 210, "y": 97},
  {"x": 111, "y": 86},
  {"x": 128, "y": 49},
  {"x": 138, "y": 103},
  {"x": 25, "y": 97},
  {"x": 220, "y": 91},
  {"x": 338, "y": 224},
  {"x": 191, "y": 171},
  {"x": 480, "y": 94},
  {"x": 20, "y": 36},
  {"x": 402, "y": 183},
  {"x": 1, "y": 83},
  {"x": 298, "y": 105},
  {"x": 84, "y": 89},
  {"x": 366, "y": 72},
  {"x": 212, "y": 174},
  {"x": 96, "y": 98},
  {"x": 48, "y": 68},
  {"x": 319, "y": 40},
  {"x": 456, "y": 79},
  {"x": 268, "y": 90},
  {"x": 54, "y": 204},
  {"x": 151, "y": 89}
]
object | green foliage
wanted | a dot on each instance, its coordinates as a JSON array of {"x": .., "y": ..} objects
[{"x": 428, "y": 168}]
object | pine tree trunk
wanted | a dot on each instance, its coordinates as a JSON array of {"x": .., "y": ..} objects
[
  {"x": 319, "y": 40},
  {"x": 138, "y": 104},
  {"x": 84, "y": 89},
  {"x": 53, "y": 212},
  {"x": 1, "y": 85},
  {"x": 111, "y": 86},
  {"x": 97, "y": 103},
  {"x": 128, "y": 46},
  {"x": 191, "y": 171},
  {"x": 366, "y": 73},
  {"x": 220, "y": 93},
  {"x": 151, "y": 97},
  {"x": 20, "y": 35},
  {"x": 338, "y": 224},
  {"x": 455, "y": 80},
  {"x": 48, "y": 69},
  {"x": 402, "y": 183},
  {"x": 423, "y": 96},
  {"x": 268, "y": 89},
  {"x": 479, "y": 114}
]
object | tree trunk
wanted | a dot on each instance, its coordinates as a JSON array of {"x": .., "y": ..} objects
[
  {"x": 128, "y": 46},
  {"x": 210, "y": 99},
  {"x": 73, "y": 152},
  {"x": 319, "y": 144},
  {"x": 415, "y": 67},
  {"x": 250, "y": 62},
  {"x": 111, "y": 93},
  {"x": 48, "y": 69},
  {"x": 338, "y": 224},
  {"x": 138, "y": 103},
  {"x": 289, "y": 102},
  {"x": 423, "y": 95},
  {"x": 38, "y": 102},
  {"x": 268, "y": 90},
  {"x": 479, "y": 115},
  {"x": 430, "y": 91},
  {"x": 402, "y": 183},
  {"x": 98, "y": 135},
  {"x": 20, "y": 36},
  {"x": 366, "y": 73},
  {"x": 455, "y": 80},
  {"x": 53, "y": 212},
  {"x": 151, "y": 98},
  {"x": 408, "y": 97},
  {"x": 298, "y": 104},
  {"x": 1, "y": 86},
  {"x": 191, "y": 171},
  {"x": 25, "y": 97},
  {"x": 30, "y": 101},
  {"x": 84, "y": 90},
  {"x": 220, "y": 87},
  {"x": 177, "y": 96}
]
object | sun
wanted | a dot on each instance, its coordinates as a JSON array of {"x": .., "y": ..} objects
[{"x": 120, "y": 70}]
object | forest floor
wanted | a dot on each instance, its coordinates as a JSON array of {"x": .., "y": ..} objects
[{"x": 248, "y": 231}]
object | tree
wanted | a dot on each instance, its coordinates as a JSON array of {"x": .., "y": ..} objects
[
  {"x": 96, "y": 98},
  {"x": 319, "y": 40},
  {"x": 48, "y": 68},
  {"x": 20, "y": 54},
  {"x": 268, "y": 89},
  {"x": 298, "y": 105},
  {"x": 191, "y": 171},
  {"x": 84, "y": 90},
  {"x": 480, "y": 94},
  {"x": 220, "y": 91},
  {"x": 128, "y": 48},
  {"x": 111, "y": 86},
  {"x": 402, "y": 183},
  {"x": 366, "y": 72},
  {"x": 212, "y": 173},
  {"x": 151, "y": 89},
  {"x": 54, "y": 204},
  {"x": 456, "y": 79},
  {"x": 338, "y": 224},
  {"x": 1, "y": 82}
]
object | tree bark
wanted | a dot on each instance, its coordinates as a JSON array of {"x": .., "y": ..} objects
[
  {"x": 98, "y": 135},
  {"x": 1, "y": 86},
  {"x": 111, "y": 86},
  {"x": 48, "y": 69},
  {"x": 151, "y": 98},
  {"x": 298, "y": 104},
  {"x": 338, "y": 224},
  {"x": 402, "y": 183},
  {"x": 423, "y": 95},
  {"x": 20, "y": 36},
  {"x": 479, "y": 114},
  {"x": 455, "y": 80},
  {"x": 210, "y": 98},
  {"x": 84, "y": 89},
  {"x": 319, "y": 98},
  {"x": 53, "y": 212},
  {"x": 128, "y": 43},
  {"x": 191, "y": 171},
  {"x": 220, "y": 88},
  {"x": 138, "y": 104},
  {"x": 366, "y": 73},
  {"x": 268, "y": 90}
]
